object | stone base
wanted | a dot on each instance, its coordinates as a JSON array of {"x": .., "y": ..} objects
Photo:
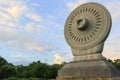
[
  {"x": 85, "y": 70},
  {"x": 77, "y": 78}
]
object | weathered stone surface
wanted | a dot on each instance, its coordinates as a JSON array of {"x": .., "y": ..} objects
[
  {"x": 86, "y": 29},
  {"x": 78, "y": 78},
  {"x": 87, "y": 26},
  {"x": 93, "y": 68},
  {"x": 95, "y": 56}
]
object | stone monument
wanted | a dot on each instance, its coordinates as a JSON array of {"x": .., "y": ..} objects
[{"x": 86, "y": 30}]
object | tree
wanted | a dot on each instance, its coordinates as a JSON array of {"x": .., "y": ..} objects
[
  {"x": 116, "y": 63},
  {"x": 38, "y": 69},
  {"x": 55, "y": 68},
  {"x": 109, "y": 60},
  {"x": 22, "y": 71},
  {"x": 7, "y": 71},
  {"x": 34, "y": 70},
  {"x": 2, "y": 61}
]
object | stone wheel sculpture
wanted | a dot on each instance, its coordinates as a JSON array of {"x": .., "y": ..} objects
[
  {"x": 87, "y": 26},
  {"x": 86, "y": 29}
]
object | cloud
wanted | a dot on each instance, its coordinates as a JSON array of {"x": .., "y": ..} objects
[
  {"x": 20, "y": 41},
  {"x": 36, "y": 4},
  {"x": 32, "y": 27},
  {"x": 114, "y": 7},
  {"x": 29, "y": 44},
  {"x": 34, "y": 17},
  {"x": 58, "y": 59},
  {"x": 61, "y": 56},
  {"x": 16, "y": 11},
  {"x": 6, "y": 34},
  {"x": 11, "y": 12},
  {"x": 20, "y": 56},
  {"x": 12, "y": 9},
  {"x": 74, "y": 4},
  {"x": 12, "y": 2},
  {"x": 112, "y": 48},
  {"x": 39, "y": 48},
  {"x": 14, "y": 32}
]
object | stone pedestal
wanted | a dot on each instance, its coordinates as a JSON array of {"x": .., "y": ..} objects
[
  {"x": 86, "y": 30},
  {"x": 89, "y": 70},
  {"x": 76, "y": 78}
]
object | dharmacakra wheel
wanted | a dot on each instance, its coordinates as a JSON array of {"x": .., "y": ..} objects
[{"x": 87, "y": 26}]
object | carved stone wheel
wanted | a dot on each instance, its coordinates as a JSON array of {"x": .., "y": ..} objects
[{"x": 87, "y": 26}]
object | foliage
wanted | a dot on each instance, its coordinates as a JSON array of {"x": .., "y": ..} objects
[
  {"x": 35, "y": 70},
  {"x": 13, "y": 78},
  {"x": 22, "y": 71},
  {"x": 2, "y": 61},
  {"x": 7, "y": 71},
  {"x": 117, "y": 63}
]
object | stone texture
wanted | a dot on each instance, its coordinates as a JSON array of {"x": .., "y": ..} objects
[
  {"x": 86, "y": 30},
  {"x": 78, "y": 78},
  {"x": 93, "y": 68},
  {"x": 87, "y": 26}
]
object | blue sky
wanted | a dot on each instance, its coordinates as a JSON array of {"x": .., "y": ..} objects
[{"x": 33, "y": 30}]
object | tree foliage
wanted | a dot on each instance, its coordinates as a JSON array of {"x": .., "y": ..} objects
[
  {"x": 117, "y": 63},
  {"x": 36, "y": 69},
  {"x": 7, "y": 71},
  {"x": 33, "y": 70},
  {"x": 2, "y": 61}
]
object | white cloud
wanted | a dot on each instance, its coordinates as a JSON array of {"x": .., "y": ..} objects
[
  {"x": 38, "y": 47},
  {"x": 10, "y": 12},
  {"x": 29, "y": 27},
  {"x": 34, "y": 17},
  {"x": 36, "y": 4},
  {"x": 12, "y": 9},
  {"x": 6, "y": 20},
  {"x": 13, "y": 33},
  {"x": 12, "y": 2},
  {"x": 60, "y": 56},
  {"x": 114, "y": 7},
  {"x": 20, "y": 56},
  {"x": 58, "y": 59},
  {"x": 8, "y": 30},
  {"x": 28, "y": 44},
  {"x": 18, "y": 40},
  {"x": 16, "y": 11},
  {"x": 112, "y": 48},
  {"x": 32, "y": 27},
  {"x": 75, "y": 3}
]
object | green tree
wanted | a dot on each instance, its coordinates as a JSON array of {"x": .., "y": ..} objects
[
  {"x": 116, "y": 63},
  {"x": 37, "y": 69},
  {"x": 34, "y": 70},
  {"x": 109, "y": 60},
  {"x": 22, "y": 71},
  {"x": 55, "y": 68},
  {"x": 2, "y": 61},
  {"x": 40, "y": 70},
  {"x": 7, "y": 71}
]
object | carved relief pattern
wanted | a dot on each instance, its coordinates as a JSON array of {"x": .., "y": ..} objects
[{"x": 87, "y": 26}]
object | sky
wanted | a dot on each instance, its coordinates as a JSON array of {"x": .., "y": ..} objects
[{"x": 33, "y": 30}]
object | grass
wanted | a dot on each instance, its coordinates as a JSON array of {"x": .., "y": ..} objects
[{"x": 13, "y": 78}]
